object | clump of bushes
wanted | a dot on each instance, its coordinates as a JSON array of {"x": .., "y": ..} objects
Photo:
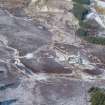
[
  {"x": 82, "y": 32},
  {"x": 87, "y": 2},
  {"x": 97, "y": 96},
  {"x": 95, "y": 40},
  {"x": 80, "y": 11}
]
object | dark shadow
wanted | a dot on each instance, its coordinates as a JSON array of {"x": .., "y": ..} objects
[{"x": 8, "y": 102}]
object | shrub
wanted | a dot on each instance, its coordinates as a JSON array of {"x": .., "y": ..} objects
[
  {"x": 82, "y": 1},
  {"x": 95, "y": 40},
  {"x": 93, "y": 89},
  {"x": 80, "y": 11},
  {"x": 97, "y": 96},
  {"x": 82, "y": 32}
]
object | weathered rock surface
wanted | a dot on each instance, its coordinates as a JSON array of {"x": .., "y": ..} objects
[
  {"x": 17, "y": 38},
  {"x": 41, "y": 60},
  {"x": 56, "y": 16}
]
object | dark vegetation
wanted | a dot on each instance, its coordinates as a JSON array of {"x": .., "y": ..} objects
[
  {"x": 86, "y": 30},
  {"x": 97, "y": 96},
  {"x": 87, "y": 2},
  {"x": 8, "y": 102},
  {"x": 82, "y": 31},
  {"x": 80, "y": 10},
  {"x": 95, "y": 40}
]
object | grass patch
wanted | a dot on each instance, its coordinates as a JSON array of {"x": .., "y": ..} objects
[{"x": 97, "y": 96}]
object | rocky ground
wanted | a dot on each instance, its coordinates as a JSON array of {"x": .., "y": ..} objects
[{"x": 42, "y": 60}]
